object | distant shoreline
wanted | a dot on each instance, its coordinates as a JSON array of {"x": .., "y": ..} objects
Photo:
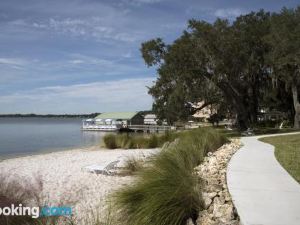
[{"x": 91, "y": 115}]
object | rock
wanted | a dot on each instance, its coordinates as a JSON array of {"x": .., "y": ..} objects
[
  {"x": 224, "y": 194},
  {"x": 234, "y": 222},
  {"x": 224, "y": 213},
  {"x": 210, "y": 209},
  {"x": 214, "y": 188},
  {"x": 214, "y": 171},
  {"x": 206, "y": 221},
  {"x": 207, "y": 201},
  {"x": 219, "y": 200},
  {"x": 210, "y": 194},
  {"x": 219, "y": 208},
  {"x": 189, "y": 222},
  {"x": 205, "y": 218},
  {"x": 213, "y": 181}
]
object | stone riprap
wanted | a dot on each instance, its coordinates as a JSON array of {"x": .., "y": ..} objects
[{"x": 219, "y": 209}]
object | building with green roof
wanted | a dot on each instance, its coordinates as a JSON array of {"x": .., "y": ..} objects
[{"x": 123, "y": 118}]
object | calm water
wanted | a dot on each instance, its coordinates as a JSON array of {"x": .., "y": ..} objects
[{"x": 26, "y": 136}]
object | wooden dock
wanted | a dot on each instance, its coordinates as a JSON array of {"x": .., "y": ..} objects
[
  {"x": 149, "y": 128},
  {"x": 129, "y": 128}
]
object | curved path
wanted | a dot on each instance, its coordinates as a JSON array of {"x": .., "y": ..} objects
[{"x": 262, "y": 191}]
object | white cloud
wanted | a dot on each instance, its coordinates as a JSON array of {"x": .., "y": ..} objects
[
  {"x": 228, "y": 13},
  {"x": 76, "y": 61},
  {"x": 121, "y": 95},
  {"x": 92, "y": 27},
  {"x": 140, "y": 2},
  {"x": 84, "y": 59},
  {"x": 13, "y": 61}
]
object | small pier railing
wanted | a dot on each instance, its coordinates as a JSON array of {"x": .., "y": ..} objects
[{"x": 149, "y": 128}]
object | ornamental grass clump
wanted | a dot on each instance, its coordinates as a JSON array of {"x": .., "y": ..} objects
[
  {"x": 110, "y": 141},
  {"x": 125, "y": 141},
  {"x": 167, "y": 191},
  {"x": 16, "y": 193},
  {"x": 134, "y": 141},
  {"x": 153, "y": 141},
  {"x": 133, "y": 165}
]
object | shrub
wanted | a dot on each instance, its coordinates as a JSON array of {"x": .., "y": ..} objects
[
  {"x": 13, "y": 191},
  {"x": 110, "y": 141},
  {"x": 167, "y": 136},
  {"x": 132, "y": 165},
  {"x": 165, "y": 195},
  {"x": 131, "y": 141},
  {"x": 153, "y": 141},
  {"x": 167, "y": 192},
  {"x": 141, "y": 141},
  {"x": 124, "y": 141}
]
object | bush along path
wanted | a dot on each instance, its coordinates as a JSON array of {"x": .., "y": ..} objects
[
  {"x": 168, "y": 191},
  {"x": 218, "y": 205}
]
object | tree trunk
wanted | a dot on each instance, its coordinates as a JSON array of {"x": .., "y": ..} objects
[
  {"x": 296, "y": 106},
  {"x": 237, "y": 101},
  {"x": 254, "y": 101}
]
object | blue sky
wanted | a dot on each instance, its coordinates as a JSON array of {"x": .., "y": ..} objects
[{"x": 82, "y": 56}]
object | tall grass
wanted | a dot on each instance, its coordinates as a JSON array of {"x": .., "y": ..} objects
[
  {"x": 132, "y": 165},
  {"x": 168, "y": 192},
  {"x": 15, "y": 192},
  {"x": 110, "y": 141},
  {"x": 133, "y": 141}
]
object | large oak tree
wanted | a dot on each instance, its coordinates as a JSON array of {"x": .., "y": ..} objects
[
  {"x": 219, "y": 62},
  {"x": 285, "y": 54}
]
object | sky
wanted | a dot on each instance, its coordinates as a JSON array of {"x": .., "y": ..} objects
[{"x": 82, "y": 56}]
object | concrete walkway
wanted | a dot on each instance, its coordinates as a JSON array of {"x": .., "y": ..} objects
[{"x": 262, "y": 191}]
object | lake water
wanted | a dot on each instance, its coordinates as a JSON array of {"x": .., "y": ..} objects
[{"x": 26, "y": 136}]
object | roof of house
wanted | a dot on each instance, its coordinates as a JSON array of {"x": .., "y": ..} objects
[{"x": 117, "y": 115}]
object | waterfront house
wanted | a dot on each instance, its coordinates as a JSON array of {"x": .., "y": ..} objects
[
  {"x": 150, "y": 119},
  {"x": 204, "y": 113},
  {"x": 112, "y": 121},
  {"x": 125, "y": 118}
]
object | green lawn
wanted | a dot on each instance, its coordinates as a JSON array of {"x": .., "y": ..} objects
[
  {"x": 287, "y": 152},
  {"x": 257, "y": 131}
]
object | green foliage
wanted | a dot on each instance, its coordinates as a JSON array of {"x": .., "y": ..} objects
[
  {"x": 236, "y": 66},
  {"x": 132, "y": 141},
  {"x": 133, "y": 165},
  {"x": 284, "y": 57},
  {"x": 124, "y": 141},
  {"x": 284, "y": 38},
  {"x": 110, "y": 141},
  {"x": 156, "y": 51},
  {"x": 167, "y": 192},
  {"x": 168, "y": 136},
  {"x": 153, "y": 141}
]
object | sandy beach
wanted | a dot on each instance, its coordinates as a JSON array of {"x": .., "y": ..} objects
[{"x": 66, "y": 182}]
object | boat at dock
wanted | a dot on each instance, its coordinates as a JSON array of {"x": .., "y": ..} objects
[
  {"x": 123, "y": 122},
  {"x": 128, "y": 128}
]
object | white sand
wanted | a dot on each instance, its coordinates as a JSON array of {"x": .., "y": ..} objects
[{"x": 65, "y": 182}]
